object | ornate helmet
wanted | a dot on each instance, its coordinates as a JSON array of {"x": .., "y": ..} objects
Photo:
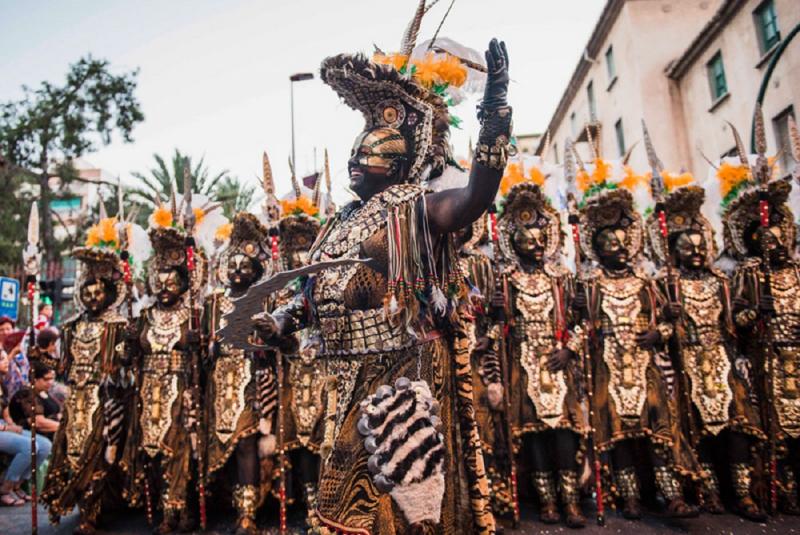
[
  {"x": 407, "y": 94},
  {"x": 744, "y": 186},
  {"x": 680, "y": 202},
  {"x": 299, "y": 223},
  {"x": 250, "y": 238},
  {"x": 192, "y": 220},
  {"x": 682, "y": 211},
  {"x": 114, "y": 250},
  {"x": 601, "y": 193},
  {"x": 526, "y": 205}
]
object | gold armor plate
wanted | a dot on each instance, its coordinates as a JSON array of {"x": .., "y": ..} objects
[
  {"x": 534, "y": 301},
  {"x": 627, "y": 362}
]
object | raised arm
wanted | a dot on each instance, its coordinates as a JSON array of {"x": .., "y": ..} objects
[{"x": 450, "y": 210}]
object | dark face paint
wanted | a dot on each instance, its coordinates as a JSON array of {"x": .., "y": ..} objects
[
  {"x": 529, "y": 243},
  {"x": 241, "y": 271},
  {"x": 610, "y": 248},
  {"x": 376, "y": 161},
  {"x": 691, "y": 251},
  {"x": 170, "y": 285},
  {"x": 94, "y": 296}
]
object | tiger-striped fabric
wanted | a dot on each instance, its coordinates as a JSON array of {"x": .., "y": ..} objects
[{"x": 476, "y": 471}]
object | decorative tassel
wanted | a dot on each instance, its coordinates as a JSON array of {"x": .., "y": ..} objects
[{"x": 438, "y": 300}]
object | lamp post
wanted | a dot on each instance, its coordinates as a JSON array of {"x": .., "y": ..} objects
[{"x": 297, "y": 77}]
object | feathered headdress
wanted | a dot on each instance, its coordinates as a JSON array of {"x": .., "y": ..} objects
[
  {"x": 743, "y": 184},
  {"x": 406, "y": 92}
]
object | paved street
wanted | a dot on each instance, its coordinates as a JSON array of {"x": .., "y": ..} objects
[{"x": 16, "y": 521}]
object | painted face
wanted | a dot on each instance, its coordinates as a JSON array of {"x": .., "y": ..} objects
[
  {"x": 691, "y": 250},
  {"x": 529, "y": 243},
  {"x": 610, "y": 247},
  {"x": 94, "y": 296},
  {"x": 170, "y": 285},
  {"x": 241, "y": 270},
  {"x": 376, "y": 160},
  {"x": 770, "y": 239}
]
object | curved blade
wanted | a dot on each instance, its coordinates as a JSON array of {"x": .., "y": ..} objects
[{"x": 238, "y": 323}]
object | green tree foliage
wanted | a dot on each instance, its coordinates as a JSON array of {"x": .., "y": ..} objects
[
  {"x": 59, "y": 122},
  {"x": 234, "y": 196},
  {"x": 165, "y": 177}
]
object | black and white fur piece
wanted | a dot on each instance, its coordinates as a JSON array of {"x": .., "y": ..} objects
[
  {"x": 401, "y": 430},
  {"x": 266, "y": 405}
]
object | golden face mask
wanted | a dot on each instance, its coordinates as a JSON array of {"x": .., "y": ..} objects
[{"x": 379, "y": 148}]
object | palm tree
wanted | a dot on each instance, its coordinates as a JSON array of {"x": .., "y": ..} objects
[
  {"x": 163, "y": 179},
  {"x": 234, "y": 196}
]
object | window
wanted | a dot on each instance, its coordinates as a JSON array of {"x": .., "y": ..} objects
[
  {"x": 611, "y": 69},
  {"x": 767, "y": 25},
  {"x": 592, "y": 104},
  {"x": 716, "y": 77},
  {"x": 573, "y": 123},
  {"x": 780, "y": 125},
  {"x": 620, "y": 138}
]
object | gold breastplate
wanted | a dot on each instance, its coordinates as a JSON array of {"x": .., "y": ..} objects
[
  {"x": 785, "y": 288},
  {"x": 534, "y": 302},
  {"x": 627, "y": 363},
  {"x": 704, "y": 356}
]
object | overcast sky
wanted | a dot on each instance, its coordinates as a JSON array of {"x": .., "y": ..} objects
[{"x": 213, "y": 77}]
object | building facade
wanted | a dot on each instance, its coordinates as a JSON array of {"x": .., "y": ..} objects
[{"x": 685, "y": 67}]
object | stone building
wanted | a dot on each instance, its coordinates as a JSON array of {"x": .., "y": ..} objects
[{"x": 685, "y": 67}]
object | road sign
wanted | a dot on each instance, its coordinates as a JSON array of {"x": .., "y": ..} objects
[{"x": 9, "y": 297}]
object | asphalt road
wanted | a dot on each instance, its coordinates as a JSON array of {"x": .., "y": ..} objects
[{"x": 16, "y": 521}]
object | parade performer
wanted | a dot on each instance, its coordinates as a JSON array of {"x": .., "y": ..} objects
[
  {"x": 394, "y": 462},
  {"x": 544, "y": 354},
  {"x": 759, "y": 231},
  {"x": 303, "y": 374},
  {"x": 84, "y": 467},
  {"x": 482, "y": 331},
  {"x": 629, "y": 392},
  {"x": 168, "y": 441},
  {"x": 703, "y": 343},
  {"x": 233, "y": 384}
]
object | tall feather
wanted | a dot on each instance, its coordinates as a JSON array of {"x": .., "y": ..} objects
[
  {"x": 592, "y": 146},
  {"x": 441, "y": 23},
  {"x": 740, "y": 150},
  {"x": 120, "y": 204},
  {"x": 268, "y": 180},
  {"x": 578, "y": 159},
  {"x": 103, "y": 212},
  {"x": 762, "y": 164},
  {"x": 295, "y": 183},
  {"x": 794, "y": 139},
  {"x": 412, "y": 30},
  {"x": 188, "y": 218},
  {"x": 656, "y": 167},
  {"x": 629, "y": 153},
  {"x": 327, "y": 171},
  {"x": 708, "y": 161},
  {"x": 570, "y": 172}
]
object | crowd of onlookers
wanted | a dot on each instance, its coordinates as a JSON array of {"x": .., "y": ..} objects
[{"x": 22, "y": 382}]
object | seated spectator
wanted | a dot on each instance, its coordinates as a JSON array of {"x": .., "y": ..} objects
[
  {"x": 48, "y": 411},
  {"x": 11, "y": 344},
  {"x": 16, "y": 442}
]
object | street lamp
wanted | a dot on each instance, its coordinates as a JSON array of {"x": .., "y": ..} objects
[{"x": 297, "y": 77}]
